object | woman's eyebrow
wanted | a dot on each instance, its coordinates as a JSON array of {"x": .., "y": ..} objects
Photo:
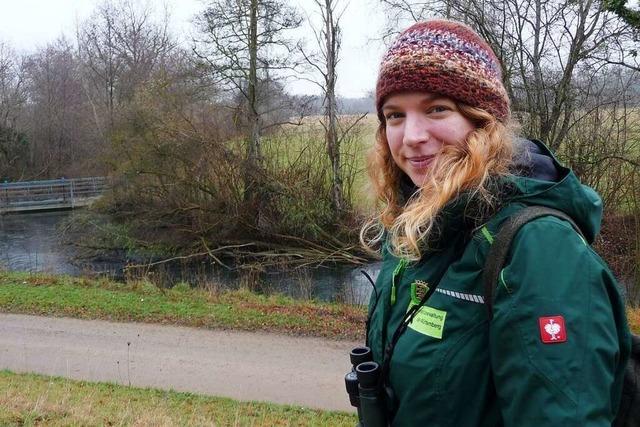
[
  {"x": 390, "y": 107},
  {"x": 432, "y": 98},
  {"x": 427, "y": 99}
]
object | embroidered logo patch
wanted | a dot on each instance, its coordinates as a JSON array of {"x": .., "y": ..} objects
[
  {"x": 419, "y": 289},
  {"x": 552, "y": 329},
  {"x": 429, "y": 321}
]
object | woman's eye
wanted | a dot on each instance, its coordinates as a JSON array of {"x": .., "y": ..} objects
[
  {"x": 393, "y": 115},
  {"x": 438, "y": 109}
]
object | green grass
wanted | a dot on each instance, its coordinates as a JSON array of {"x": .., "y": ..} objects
[
  {"x": 143, "y": 302},
  {"x": 34, "y": 400}
]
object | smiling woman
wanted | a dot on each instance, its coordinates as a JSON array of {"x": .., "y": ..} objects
[{"x": 547, "y": 344}]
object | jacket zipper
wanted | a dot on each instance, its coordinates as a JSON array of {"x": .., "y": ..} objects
[{"x": 397, "y": 272}]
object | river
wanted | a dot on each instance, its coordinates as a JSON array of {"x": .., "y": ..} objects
[{"x": 33, "y": 242}]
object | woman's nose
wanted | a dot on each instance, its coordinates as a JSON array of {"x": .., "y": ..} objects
[{"x": 416, "y": 130}]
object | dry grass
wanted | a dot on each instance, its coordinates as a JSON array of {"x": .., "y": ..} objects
[
  {"x": 35, "y": 400},
  {"x": 633, "y": 315}
]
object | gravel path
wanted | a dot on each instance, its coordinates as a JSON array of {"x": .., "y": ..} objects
[{"x": 241, "y": 365}]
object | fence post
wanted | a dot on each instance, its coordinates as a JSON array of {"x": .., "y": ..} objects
[{"x": 73, "y": 202}]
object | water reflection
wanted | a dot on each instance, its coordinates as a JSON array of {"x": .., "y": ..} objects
[
  {"x": 30, "y": 242},
  {"x": 33, "y": 242}
]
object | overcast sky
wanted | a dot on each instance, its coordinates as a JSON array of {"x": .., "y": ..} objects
[{"x": 28, "y": 24}]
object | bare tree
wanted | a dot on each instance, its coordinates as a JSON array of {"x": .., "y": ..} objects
[
  {"x": 244, "y": 45},
  {"x": 329, "y": 42},
  {"x": 56, "y": 121},
  {"x": 12, "y": 101},
  {"x": 324, "y": 63},
  {"x": 96, "y": 46},
  {"x": 120, "y": 45}
]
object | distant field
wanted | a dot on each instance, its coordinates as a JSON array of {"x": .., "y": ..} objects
[
  {"x": 304, "y": 145},
  {"x": 36, "y": 400}
]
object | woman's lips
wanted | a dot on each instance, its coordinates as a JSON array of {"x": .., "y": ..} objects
[{"x": 420, "y": 162}]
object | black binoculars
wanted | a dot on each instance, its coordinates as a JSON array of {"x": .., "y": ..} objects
[{"x": 365, "y": 389}]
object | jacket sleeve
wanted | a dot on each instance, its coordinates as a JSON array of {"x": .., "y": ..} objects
[{"x": 541, "y": 379}]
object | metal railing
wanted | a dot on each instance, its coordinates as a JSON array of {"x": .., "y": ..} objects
[{"x": 51, "y": 194}]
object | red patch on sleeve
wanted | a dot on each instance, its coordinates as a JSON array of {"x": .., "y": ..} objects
[{"x": 552, "y": 329}]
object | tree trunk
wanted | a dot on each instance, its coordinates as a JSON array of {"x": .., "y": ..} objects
[
  {"x": 331, "y": 109},
  {"x": 253, "y": 162}
]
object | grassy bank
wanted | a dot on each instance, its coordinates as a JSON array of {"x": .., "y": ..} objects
[
  {"x": 144, "y": 302},
  {"x": 27, "y": 400}
]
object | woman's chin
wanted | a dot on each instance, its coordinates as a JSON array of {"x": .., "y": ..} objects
[{"x": 418, "y": 177}]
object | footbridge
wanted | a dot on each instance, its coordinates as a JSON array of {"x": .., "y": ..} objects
[{"x": 26, "y": 196}]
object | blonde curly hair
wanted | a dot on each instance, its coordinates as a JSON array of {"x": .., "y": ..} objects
[{"x": 469, "y": 168}]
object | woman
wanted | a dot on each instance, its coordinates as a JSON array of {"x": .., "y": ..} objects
[{"x": 448, "y": 173}]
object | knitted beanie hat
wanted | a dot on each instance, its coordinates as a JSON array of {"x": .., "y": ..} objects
[{"x": 446, "y": 58}]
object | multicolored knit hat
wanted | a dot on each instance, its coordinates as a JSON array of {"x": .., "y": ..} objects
[{"x": 447, "y": 58}]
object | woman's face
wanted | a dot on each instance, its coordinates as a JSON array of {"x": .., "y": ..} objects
[{"x": 418, "y": 125}]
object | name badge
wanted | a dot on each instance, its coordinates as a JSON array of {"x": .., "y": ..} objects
[{"x": 429, "y": 321}]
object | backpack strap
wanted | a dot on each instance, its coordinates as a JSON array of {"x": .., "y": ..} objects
[{"x": 499, "y": 251}]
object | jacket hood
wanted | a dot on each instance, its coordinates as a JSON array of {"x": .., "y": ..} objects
[
  {"x": 539, "y": 179},
  {"x": 531, "y": 161}
]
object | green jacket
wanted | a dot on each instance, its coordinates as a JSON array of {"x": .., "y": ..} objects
[{"x": 454, "y": 367}]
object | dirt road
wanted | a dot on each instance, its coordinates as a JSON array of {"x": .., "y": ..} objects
[{"x": 241, "y": 365}]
